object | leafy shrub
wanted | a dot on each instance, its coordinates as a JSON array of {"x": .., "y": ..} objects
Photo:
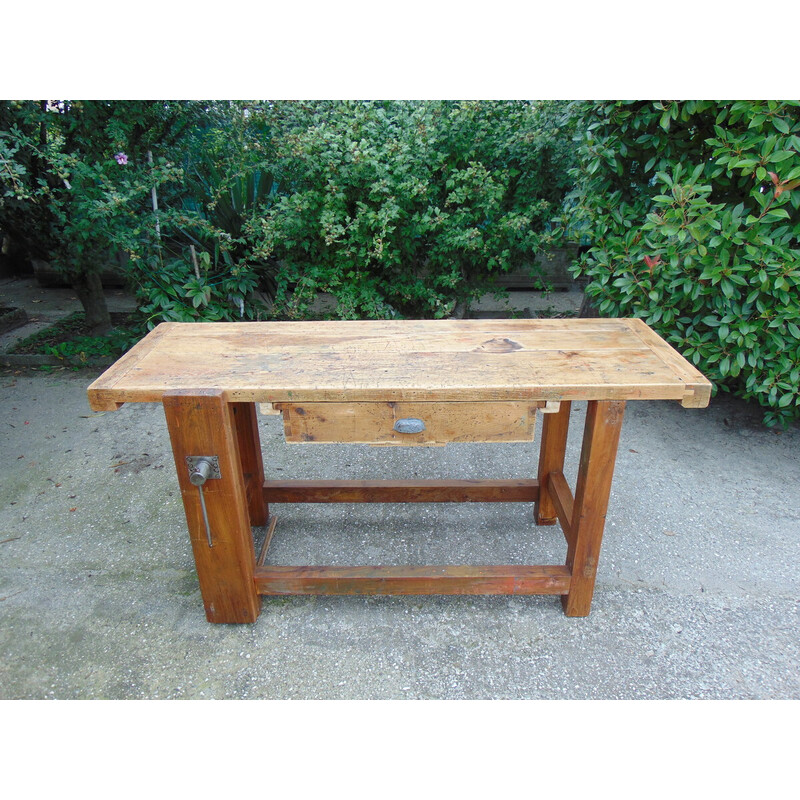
[
  {"x": 200, "y": 267},
  {"x": 409, "y": 209},
  {"x": 692, "y": 208},
  {"x": 75, "y": 183},
  {"x": 209, "y": 265},
  {"x": 169, "y": 290}
]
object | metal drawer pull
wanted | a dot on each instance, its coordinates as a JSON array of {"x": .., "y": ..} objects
[{"x": 409, "y": 425}]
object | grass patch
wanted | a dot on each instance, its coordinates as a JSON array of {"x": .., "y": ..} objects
[{"x": 69, "y": 339}]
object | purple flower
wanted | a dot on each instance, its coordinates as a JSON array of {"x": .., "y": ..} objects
[{"x": 121, "y": 158}]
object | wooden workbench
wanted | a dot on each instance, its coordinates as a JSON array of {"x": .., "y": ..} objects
[{"x": 399, "y": 382}]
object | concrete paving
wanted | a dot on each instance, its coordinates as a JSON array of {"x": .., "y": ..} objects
[{"x": 697, "y": 593}]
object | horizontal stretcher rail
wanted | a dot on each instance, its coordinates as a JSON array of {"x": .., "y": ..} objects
[
  {"x": 385, "y": 580},
  {"x": 481, "y": 491}
]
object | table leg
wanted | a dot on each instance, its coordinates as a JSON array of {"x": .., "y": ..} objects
[
  {"x": 202, "y": 423},
  {"x": 592, "y": 490},
  {"x": 245, "y": 421},
  {"x": 551, "y": 459}
]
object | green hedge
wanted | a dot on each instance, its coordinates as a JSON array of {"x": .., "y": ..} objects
[
  {"x": 410, "y": 208},
  {"x": 692, "y": 210}
]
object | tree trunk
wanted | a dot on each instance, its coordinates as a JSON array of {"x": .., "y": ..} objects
[
  {"x": 588, "y": 309},
  {"x": 89, "y": 289},
  {"x": 460, "y": 309}
]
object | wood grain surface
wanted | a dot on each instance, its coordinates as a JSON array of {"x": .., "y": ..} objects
[
  {"x": 417, "y": 491},
  {"x": 586, "y": 517},
  {"x": 204, "y": 424},
  {"x": 404, "y": 360},
  {"x": 279, "y": 580},
  {"x": 374, "y": 423}
]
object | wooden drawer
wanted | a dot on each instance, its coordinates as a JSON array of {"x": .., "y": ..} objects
[{"x": 378, "y": 423}]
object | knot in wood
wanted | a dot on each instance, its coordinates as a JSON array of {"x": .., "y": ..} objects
[{"x": 498, "y": 345}]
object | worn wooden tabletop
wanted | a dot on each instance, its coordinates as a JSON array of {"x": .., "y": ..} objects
[{"x": 431, "y": 360}]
